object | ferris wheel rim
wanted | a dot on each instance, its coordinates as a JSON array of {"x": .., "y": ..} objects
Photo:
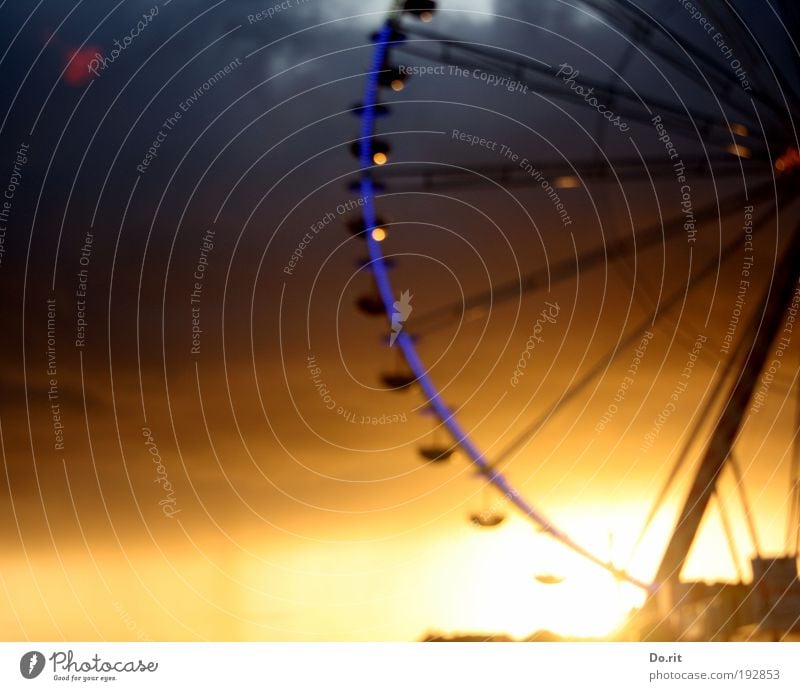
[{"x": 378, "y": 269}]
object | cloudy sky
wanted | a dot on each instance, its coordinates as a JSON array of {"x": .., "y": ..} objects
[{"x": 172, "y": 465}]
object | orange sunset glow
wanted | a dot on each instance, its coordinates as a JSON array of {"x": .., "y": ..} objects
[{"x": 399, "y": 321}]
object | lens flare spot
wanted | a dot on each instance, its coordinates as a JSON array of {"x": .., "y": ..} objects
[{"x": 78, "y": 61}]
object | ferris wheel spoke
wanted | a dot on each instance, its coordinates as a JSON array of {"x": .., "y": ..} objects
[
  {"x": 564, "y": 269},
  {"x": 570, "y": 173},
  {"x": 723, "y": 80},
  {"x": 634, "y": 107},
  {"x": 733, "y": 363},
  {"x": 731, "y": 22},
  {"x": 623, "y": 342},
  {"x": 707, "y": 410},
  {"x": 727, "y": 19}
]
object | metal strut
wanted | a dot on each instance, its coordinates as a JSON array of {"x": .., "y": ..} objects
[{"x": 761, "y": 331}]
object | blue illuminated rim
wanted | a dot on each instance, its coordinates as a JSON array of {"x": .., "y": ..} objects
[{"x": 405, "y": 342}]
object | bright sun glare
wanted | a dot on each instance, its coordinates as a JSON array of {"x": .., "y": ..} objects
[{"x": 504, "y": 595}]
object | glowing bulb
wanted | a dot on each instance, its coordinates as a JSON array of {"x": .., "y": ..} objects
[
  {"x": 379, "y": 158},
  {"x": 738, "y": 150},
  {"x": 566, "y": 182},
  {"x": 378, "y": 234},
  {"x": 397, "y": 84},
  {"x": 738, "y": 128}
]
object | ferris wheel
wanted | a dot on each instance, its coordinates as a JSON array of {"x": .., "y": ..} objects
[{"x": 742, "y": 138}]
